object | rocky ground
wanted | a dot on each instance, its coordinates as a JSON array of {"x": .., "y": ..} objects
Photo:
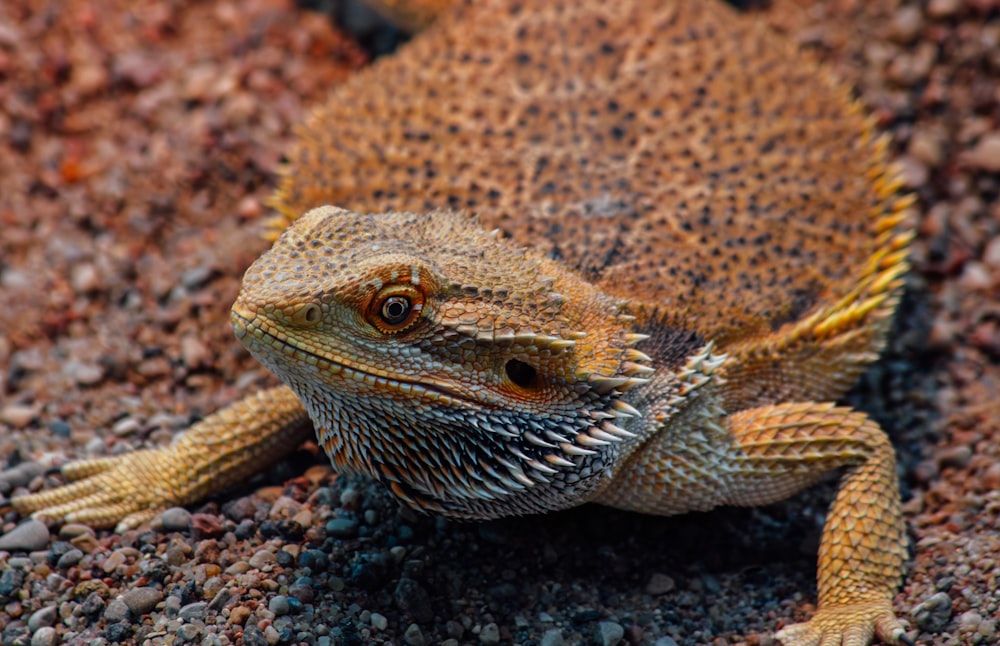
[{"x": 138, "y": 141}]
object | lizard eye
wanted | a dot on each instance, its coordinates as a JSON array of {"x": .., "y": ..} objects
[{"x": 395, "y": 308}]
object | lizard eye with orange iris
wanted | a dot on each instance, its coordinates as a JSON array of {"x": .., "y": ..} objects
[{"x": 395, "y": 310}]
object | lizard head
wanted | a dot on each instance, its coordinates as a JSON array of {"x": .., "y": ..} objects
[{"x": 474, "y": 378}]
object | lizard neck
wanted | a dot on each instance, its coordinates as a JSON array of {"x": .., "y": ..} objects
[{"x": 476, "y": 379}]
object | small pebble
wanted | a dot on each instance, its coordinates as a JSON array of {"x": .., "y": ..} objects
[
  {"x": 609, "y": 633},
  {"x": 117, "y": 610},
  {"x": 986, "y": 154},
  {"x": 349, "y": 499},
  {"x": 659, "y": 584},
  {"x": 176, "y": 519},
  {"x": 489, "y": 635},
  {"x": 59, "y": 428},
  {"x": 220, "y": 600},
  {"x": 279, "y": 605},
  {"x": 413, "y": 636},
  {"x": 69, "y": 559},
  {"x": 552, "y": 637},
  {"x": 45, "y": 636},
  {"x": 142, "y": 601},
  {"x": 24, "y": 473},
  {"x": 342, "y": 527},
  {"x": 43, "y": 617},
  {"x": 17, "y": 415},
  {"x": 126, "y": 426},
  {"x": 906, "y": 23},
  {"x": 197, "y": 610},
  {"x": 943, "y": 8},
  {"x": 272, "y": 636},
  {"x": 69, "y": 531},
  {"x": 956, "y": 457},
  {"x": 253, "y": 636},
  {"x": 238, "y": 615},
  {"x": 261, "y": 558},
  {"x": 84, "y": 374},
  {"x": 28, "y": 536},
  {"x": 933, "y": 614},
  {"x": 379, "y": 622},
  {"x": 189, "y": 632}
]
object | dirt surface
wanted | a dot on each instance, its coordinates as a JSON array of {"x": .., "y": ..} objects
[{"x": 138, "y": 141}]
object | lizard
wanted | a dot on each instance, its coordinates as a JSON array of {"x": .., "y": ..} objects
[{"x": 557, "y": 253}]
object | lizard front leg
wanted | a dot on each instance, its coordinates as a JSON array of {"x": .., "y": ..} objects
[
  {"x": 218, "y": 452},
  {"x": 762, "y": 455},
  {"x": 863, "y": 547}
]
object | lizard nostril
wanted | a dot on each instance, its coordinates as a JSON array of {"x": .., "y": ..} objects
[
  {"x": 308, "y": 314},
  {"x": 521, "y": 373}
]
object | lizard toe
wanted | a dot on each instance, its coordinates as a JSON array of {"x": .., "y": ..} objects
[{"x": 854, "y": 624}]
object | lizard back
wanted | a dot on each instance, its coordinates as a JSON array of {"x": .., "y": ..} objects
[{"x": 673, "y": 153}]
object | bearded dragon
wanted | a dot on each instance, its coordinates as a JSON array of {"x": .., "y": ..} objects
[{"x": 624, "y": 254}]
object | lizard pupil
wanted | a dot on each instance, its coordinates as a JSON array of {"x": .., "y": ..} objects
[{"x": 395, "y": 309}]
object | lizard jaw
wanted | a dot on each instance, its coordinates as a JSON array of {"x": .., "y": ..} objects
[{"x": 255, "y": 334}]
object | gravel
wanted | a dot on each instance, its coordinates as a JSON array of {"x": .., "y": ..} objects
[
  {"x": 28, "y": 536},
  {"x": 138, "y": 147}
]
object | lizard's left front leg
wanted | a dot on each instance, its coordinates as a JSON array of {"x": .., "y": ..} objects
[{"x": 766, "y": 454}]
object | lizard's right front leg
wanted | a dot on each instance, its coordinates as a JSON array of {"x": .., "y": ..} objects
[
  {"x": 766, "y": 454},
  {"x": 217, "y": 452}
]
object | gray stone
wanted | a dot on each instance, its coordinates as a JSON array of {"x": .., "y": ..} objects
[
  {"x": 489, "y": 635},
  {"x": 933, "y": 614},
  {"x": 660, "y": 584},
  {"x": 342, "y": 527},
  {"x": 279, "y": 605},
  {"x": 43, "y": 617},
  {"x": 142, "y": 601},
  {"x": 45, "y": 636},
  {"x": 413, "y": 636},
  {"x": 261, "y": 558},
  {"x": 609, "y": 633},
  {"x": 69, "y": 531},
  {"x": 197, "y": 610},
  {"x": 379, "y": 622},
  {"x": 28, "y": 536},
  {"x": 116, "y": 611},
  {"x": 11, "y": 580},
  {"x": 189, "y": 632},
  {"x": 69, "y": 559},
  {"x": 221, "y": 598},
  {"x": 552, "y": 637},
  {"x": 176, "y": 519},
  {"x": 22, "y": 474}
]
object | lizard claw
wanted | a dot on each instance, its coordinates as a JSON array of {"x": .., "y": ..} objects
[
  {"x": 106, "y": 491},
  {"x": 854, "y": 624}
]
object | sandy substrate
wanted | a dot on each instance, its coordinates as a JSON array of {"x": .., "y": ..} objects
[{"x": 137, "y": 143}]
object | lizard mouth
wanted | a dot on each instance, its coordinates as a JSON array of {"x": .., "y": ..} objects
[{"x": 274, "y": 349}]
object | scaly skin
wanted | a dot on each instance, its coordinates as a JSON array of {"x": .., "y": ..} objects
[{"x": 686, "y": 243}]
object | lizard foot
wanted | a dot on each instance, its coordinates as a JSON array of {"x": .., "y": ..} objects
[
  {"x": 855, "y": 624},
  {"x": 106, "y": 491}
]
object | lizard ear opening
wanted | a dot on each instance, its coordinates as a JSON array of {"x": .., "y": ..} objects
[{"x": 521, "y": 374}]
